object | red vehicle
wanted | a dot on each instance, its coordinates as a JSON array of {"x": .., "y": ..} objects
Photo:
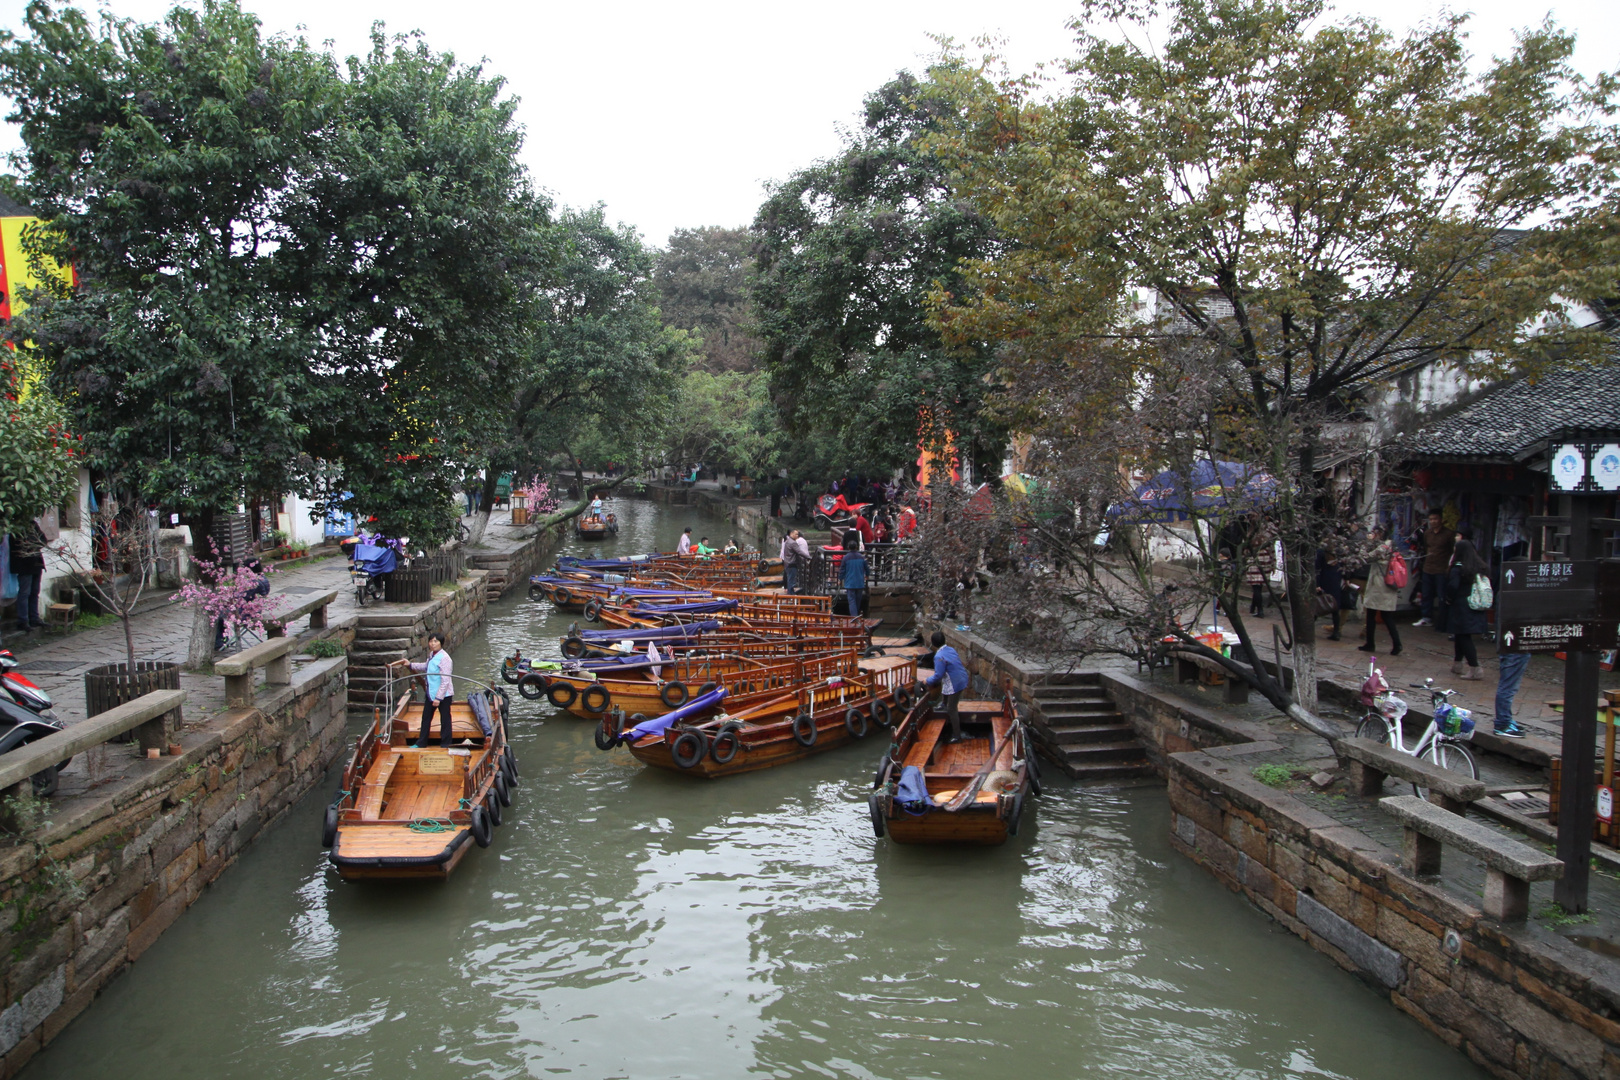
[{"x": 834, "y": 512}]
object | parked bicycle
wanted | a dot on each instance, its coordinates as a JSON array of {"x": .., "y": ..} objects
[{"x": 1440, "y": 743}]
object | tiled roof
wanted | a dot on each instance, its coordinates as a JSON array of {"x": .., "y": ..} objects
[{"x": 1513, "y": 417}]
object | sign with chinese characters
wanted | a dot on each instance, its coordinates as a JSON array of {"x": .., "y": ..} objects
[{"x": 1560, "y": 605}]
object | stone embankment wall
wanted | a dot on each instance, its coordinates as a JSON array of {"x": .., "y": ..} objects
[
  {"x": 508, "y": 570},
  {"x": 397, "y": 632},
  {"x": 87, "y": 894},
  {"x": 1517, "y": 1000}
]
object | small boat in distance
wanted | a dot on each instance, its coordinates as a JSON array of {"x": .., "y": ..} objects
[
  {"x": 969, "y": 792},
  {"x": 592, "y": 527},
  {"x": 405, "y": 812}
]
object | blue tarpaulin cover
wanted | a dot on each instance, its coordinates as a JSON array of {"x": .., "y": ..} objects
[{"x": 912, "y": 791}]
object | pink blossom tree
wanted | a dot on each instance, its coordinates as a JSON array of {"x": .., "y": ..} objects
[{"x": 236, "y": 596}]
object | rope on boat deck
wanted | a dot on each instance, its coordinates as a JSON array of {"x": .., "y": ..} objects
[{"x": 430, "y": 825}]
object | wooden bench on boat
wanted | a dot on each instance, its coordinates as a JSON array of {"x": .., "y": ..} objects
[
  {"x": 314, "y": 607},
  {"x": 1372, "y": 761},
  {"x": 1510, "y": 866},
  {"x": 274, "y": 656}
]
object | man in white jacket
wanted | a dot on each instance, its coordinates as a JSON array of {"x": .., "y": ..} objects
[
  {"x": 685, "y": 546},
  {"x": 795, "y": 557}
]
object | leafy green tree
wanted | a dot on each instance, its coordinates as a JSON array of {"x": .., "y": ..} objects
[
  {"x": 702, "y": 278},
  {"x": 39, "y": 455},
  {"x": 1310, "y": 211},
  {"x": 726, "y": 420},
  {"x": 848, "y": 254}
]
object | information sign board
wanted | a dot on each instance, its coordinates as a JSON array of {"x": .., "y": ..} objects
[{"x": 1557, "y": 606}]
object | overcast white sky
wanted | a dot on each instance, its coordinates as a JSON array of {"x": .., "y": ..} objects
[{"x": 678, "y": 114}]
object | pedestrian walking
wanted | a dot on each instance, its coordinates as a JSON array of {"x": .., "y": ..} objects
[
  {"x": 1463, "y": 618},
  {"x": 1510, "y": 673},
  {"x": 1439, "y": 543},
  {"x": 28, "y": 563},
  {"x": 1329, "y": 589},
  {"x": 853, "y": 574},
  {"x": 440, "y": 690},
  {"x": 1383, "y": 593}
]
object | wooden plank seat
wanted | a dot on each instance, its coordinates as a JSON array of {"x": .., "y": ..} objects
[
  {"x": 1510, "y": 866},
  {"x": 978, "y": 708},
  {"x": 1372, "y": 761},
  {"x": 370, "y": 802},
  {"x": 274, "y": 656},
  {"x": 927, "y": 739},
  {"x": 148, "y": 714},
  {"x": 314, "y": 607}
]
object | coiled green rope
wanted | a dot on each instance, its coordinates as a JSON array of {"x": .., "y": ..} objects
[{"x": 430, "y": 825}]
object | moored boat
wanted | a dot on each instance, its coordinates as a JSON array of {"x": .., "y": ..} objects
[
  {"x": 405, "y": 812},
  {"x": 930, "y": 791}
]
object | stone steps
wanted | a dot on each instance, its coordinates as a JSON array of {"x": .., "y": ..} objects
[
  {"x": 1078, "y": 728},
  {"x": 1065, "y": 734}
]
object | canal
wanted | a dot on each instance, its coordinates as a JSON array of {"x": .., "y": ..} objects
[{"x": 632, "y": 923}]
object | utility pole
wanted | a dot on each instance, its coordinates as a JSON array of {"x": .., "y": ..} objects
[{"x": 1576, "y": 795}]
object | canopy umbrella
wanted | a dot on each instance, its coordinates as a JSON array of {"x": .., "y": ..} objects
[{"x": 1212, "y": 486}]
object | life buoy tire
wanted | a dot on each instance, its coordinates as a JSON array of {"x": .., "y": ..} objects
[
  {"x": 560, "y": 694},
  {"x": 902, "y": 697},
  {"x": 882, "y": 715},
  {"x": 725, "y": 746},
  {"x": 509, "y": 768},
  {"x": 561, "y": 596},
  {"x": 855, "y": 722},
  {"x": 595, "y": 698},
  {"x": 707, "y": 688},
  {"x": 804, "y": 730},
  {"x": 593, "y": 610},
  {"x": 533, "y": 686},
  {"x": 573, "y": 648},
  {"x": 492, "y": 807},
  {"x": 674, "y": 694},
  {"x": 329, "y": 827},
  {"x": 537, "y": 592},
  {"x": 502, "y": 792},
  {"x": 688, "y": 749},
  {"x": 482, "y": 831},
  {"x": 883, "y": 767},
  {"x": 875, "y": 809}
]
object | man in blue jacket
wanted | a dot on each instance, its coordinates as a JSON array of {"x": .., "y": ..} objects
[
  {"x": 952, "y": 678},
  {"x": 853, "y": 565}
]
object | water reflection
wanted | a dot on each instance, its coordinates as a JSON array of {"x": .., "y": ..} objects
[{"x": 628, "y": 922}]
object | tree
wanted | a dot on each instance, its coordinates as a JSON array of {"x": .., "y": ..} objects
[
  {"x": 725, "y": 420},
  {"x": 39, "y": 455},
  {"x": 1308, "y": 212},
  {"x": 702, "y": 279},
  {"x": 601, "y": 363},
  {"x": 849, "y": 251}
]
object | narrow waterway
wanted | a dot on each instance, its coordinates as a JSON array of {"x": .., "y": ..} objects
[{"x": 631, "y": 923}]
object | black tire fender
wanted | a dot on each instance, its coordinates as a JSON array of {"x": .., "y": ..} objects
[
  {"x": 804, "y": 730},
  {"x": 329, "y": 826},
  {"x": 875, "y": 808},
  {"x": 509, "y": 767},
  {"x": 533, "y": 686},
  {"x": 561, "y": 596},
  {"x": 593, "y": 610},
  {"x": 482, "y": 831},
  {"x": 492, "y": 807},
  {"x": 510, "y": 672},
  {"x": 883, "y": 767},
  {"x": 595, "y": 698},
  {"x": 605, "y": 739},
  {"x": 674, "y": 694},
  {"x": 694, "y": 749},
  {"x": 725, "y": 746},
  {"x": 902, "y": 697},
  {"x": 882, "y": 715},
  {"x": 537, "y": 592},
  {"x": 560, "y": 694},
  {"x": 573, "y": 648},
  {"x": 855, "y": 722},
  {"x": 707, "y": 688},
  {"x": 1017, "y": 812},
  {"x": 502, "y": 792}
]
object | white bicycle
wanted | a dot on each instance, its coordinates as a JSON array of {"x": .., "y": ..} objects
[{"x": 1440, "y": 743}]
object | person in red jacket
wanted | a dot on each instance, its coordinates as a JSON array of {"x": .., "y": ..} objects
[{"x": 864, "y": 527}]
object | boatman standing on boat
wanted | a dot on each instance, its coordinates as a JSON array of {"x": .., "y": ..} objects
[
  {"x": 440, "y": 691},
  {"x": 685, "y": 546},
  {"x": 596, "y": 506},
  {"x": 952, "y": 678}
]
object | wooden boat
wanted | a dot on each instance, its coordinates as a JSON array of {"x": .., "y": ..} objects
[
  {"x": 405, "y": 812},
  {"x": 811, "y": 719},
  {"x": 588, "y": 695},
  {"x": 977, "y": 786},
  {"x": 591, "y": 527}
]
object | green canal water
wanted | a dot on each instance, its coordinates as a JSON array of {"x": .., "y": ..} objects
[{"x": 631, "y": 923}]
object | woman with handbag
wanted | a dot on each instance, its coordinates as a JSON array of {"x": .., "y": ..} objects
[
  {"x": 1466, "y": 606},
  {"x": 1383, "y": 594}
]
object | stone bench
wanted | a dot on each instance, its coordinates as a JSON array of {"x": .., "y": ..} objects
[
  {"x": 1189, "y": 663},
  {"x": 1510, "y": 866},
  {"x": 275, "y": 656},
  {"x": 314, "y": 607},
  {"x": 1372, "y": 761},
  {"x": 148, "y": 713}
]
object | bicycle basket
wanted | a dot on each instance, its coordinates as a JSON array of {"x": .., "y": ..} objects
[
  {"x": 1391, "y": 705},
  {"x": 1454, "y": 723}
]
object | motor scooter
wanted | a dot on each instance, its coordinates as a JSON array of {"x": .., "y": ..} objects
[
  {"x": 836, "y": 512},
  {"x": 25, "y": 715}
]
